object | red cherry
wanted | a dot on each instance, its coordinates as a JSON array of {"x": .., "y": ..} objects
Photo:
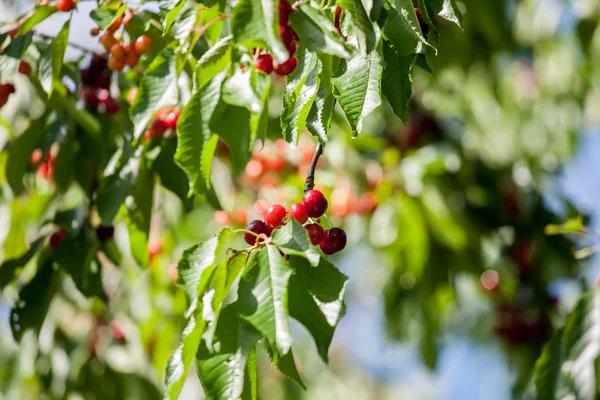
[
  {"x": 90, "y": 98},
  {"x": 112, "y": 106},
  {"x": 57, "y": 237},
  {"x": 265, "y": 63},
  {"x": 315, "y": 202},
  {"x": 286, "y": 33},
  {"x": 143, "y": 44},
  {"x": 36, "y": 156},
  {"x": 338, "y": 18},
  {"x": 65, "y": 5},
  {"x": 275, "y": 215},
  {"x": 171, "y": 119},
  {"x": 257, "y": 227},
  {"x": 334, "y": 241},
  {"x": 24, "y": 68},
  {"x": 291, "y": 47},
  {"x": 159, "y": 125},
  {"x": 298, "y": 211},
  {"x": 287, "y": 67},
  {"x": 284, "y": 11},
  {"x": 316, "y": 233}
]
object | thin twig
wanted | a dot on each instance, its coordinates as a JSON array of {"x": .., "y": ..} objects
[
  {"x": 310, "y": 179},
  {"x": 203, "y": 28}
]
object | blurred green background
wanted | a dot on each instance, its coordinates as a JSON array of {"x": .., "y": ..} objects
[{"x": 454, "y": 286}]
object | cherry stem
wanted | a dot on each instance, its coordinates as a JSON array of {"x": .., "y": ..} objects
[
  {"x": 245, "y": 231},
  {"x": 310, "y": 179}
]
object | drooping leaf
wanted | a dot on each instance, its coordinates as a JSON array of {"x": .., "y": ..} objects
[
  {"x": 362, "y": 25},
  {"x": 214, "y": 61},
  {"x": 293, "y": 239},
  {"x": 263, "y": 297},
  {"x": 185, "y": 20},
  {"x": 139, "y": 213},
  {"x": 358, "y": 88},
  {"x": 157, "y": 89},
  {"x": 58, "y": 48},
  {"x": 256, "y": 23},
  {"x": 73, "y": 219},
  {"x": 222, "y": 374},
  {"x": 402, "y": 28},
  {"x": 300, "y": 93},
  {"x": 567, "y": 366},
  {"x": 319, "y": 117},
  {"x": 65, "y": 160},
  {"x": 317, "y": 32},
  {"x": 397, "y": 81},
  {"x": 40, "y": 13},
  {"x": 9, "y": 268},
  {"x": 19, "y": 157},
  {"x": 34, "y": 300},
  {"x": 171, "y": 176},
  {"x": 193, "y": 133},
  {"x": 116, "y": 187},
  {"x": 286, "y": 364},
  {"x": 316, "y": 300}
]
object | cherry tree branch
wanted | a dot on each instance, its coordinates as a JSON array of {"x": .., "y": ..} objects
[{"x": 310, "y": 179}]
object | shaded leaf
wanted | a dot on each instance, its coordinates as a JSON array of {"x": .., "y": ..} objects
[
  {"x": 9, "y": 268},
  {"x": 139, "y": 213},
  {"x": 292, "y": 239},
  {"x": 171, "y": 176},
  {"x": 397, "y": 81}
]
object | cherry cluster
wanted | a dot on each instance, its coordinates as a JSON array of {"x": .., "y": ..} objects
[
  {"x": 96, "y": 83},
  {"x": 122, "y": 55},
  {"x": 164, "y": 120},
  {"x": 264, "y": 61},
  {"x": 6, "y": 89},
  {"x": 313, "y": 206}
]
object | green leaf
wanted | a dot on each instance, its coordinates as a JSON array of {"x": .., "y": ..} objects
[
  {"x": 222, "y": 374},
  {"x": 300, "y": 93},
  {"x": 293, "y": 239},
  {"x": 242, "y": 89},
  {"x": 65, "y": 161},
  {"x": 448, "y": 10},
  {"x": 214, "y": 61},
  {"x": 169, "y": 12},
  {"x": 115, "y": 188},
  {"x": 40, "y": 13},
  {"x": 34, "y": 300},
  {"x": 414, "y": 243},
  {"x": 397, "y": 80},
  {"x": 9, "y": 59},
  {"x": 171, "y": 176},
  {"x": 157, "y": 89},
  {"x": 263, "y": 297},
  {"x": 193, "y": 154},
  {"x": 73, "y": 219},
  {"x": 316, "y": 300},
  {"x": 255, "y": 23},
  {"x": 19, "y": 157},
  {"x": 566, "y": 368},
  {"x": 358, "y": 88},
  {"x": 76, "y": 256},
  {"x": 286, "y": 365},
  {"x": 58, "y": 48},
  {"x": 103, "y": 17},
  {"x": 184, "y": 21},
  {"x": 572, "y": 225},
  {"x": 318, "y": 120},
  {"x": 402, "y": 28},
  {"x": 232, "y": 124},
  {"x": 251, "y": 383},
  {"x": 317, "y": 32},
  {"x": 362, "y": 25},
  {"x": 196, "y": 266},
  {"x": 139, "y": 213},
  {"x": 220, "y": 284},
  {"x": 9, "y": 268}
]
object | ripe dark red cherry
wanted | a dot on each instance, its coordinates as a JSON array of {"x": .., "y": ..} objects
[
  {"x": 111, "y": 106},
  {"x": 298, "y": 211},
  {"x": 334, "y": 241},
  {"x": 57, "y": 237},
  {"x": 257, "y": 227},
  {"x": 265, "y": 63},
  {"x": 284, "y": 11},
  {"x": 65, "y": 5},
  {"x": 287, "y": 67},
  {"x": 315, "y": 203},
  {"x": 159, "y": 125},
  {"x": 274, "y": 215},
  {"x": 172, "y": 118},
  {"x": 316, "y": 233},
  {"x": 90, "y": 98},
  {"x": 286, "y": 33}
]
